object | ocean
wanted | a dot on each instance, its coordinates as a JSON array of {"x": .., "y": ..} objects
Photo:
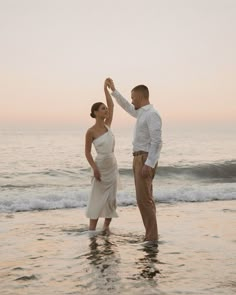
[
  {"x": 47, "y": 251},
  {"x": 45, "y": 168}
]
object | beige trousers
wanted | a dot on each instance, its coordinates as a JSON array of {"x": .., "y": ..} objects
[{"x": 144, "y": 196}]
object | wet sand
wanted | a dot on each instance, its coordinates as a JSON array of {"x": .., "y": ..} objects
[{"x": 51, "y": 252}]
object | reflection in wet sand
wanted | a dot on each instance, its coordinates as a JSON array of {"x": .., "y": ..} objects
[
  {"x": 111, "y": 270},
  {"x": 104, "y": 262},
  {"x": 147, "y": 265}
]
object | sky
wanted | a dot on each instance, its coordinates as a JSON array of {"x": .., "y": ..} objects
[{"x": 55, "y": 55}]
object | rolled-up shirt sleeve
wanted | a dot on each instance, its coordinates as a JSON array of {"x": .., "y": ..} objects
[
  {"x": 123, "y": 102},
  {"x": 154, "y": 127}
]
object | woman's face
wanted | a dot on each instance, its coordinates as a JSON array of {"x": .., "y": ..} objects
[{"x": 102, "y": 111}]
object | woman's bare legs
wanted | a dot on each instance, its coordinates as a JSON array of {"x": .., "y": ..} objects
[
  {"x": 107, "y": 222},
  {"x": 93, "y": 224}
]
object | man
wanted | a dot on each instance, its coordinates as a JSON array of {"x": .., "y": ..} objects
[{"x": 147, "y": 145}]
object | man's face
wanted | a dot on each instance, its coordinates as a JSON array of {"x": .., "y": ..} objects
[{"x": 136, "y": 99}]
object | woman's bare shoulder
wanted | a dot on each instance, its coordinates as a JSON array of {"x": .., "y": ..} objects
[{"x": 91, "y": 132}]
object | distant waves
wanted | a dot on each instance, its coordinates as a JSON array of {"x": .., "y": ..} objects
[
  {"x": 215, "y": 171},
  {"x": 219, "y": 171}
]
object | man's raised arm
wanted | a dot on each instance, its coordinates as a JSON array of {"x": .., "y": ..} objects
[{"x": 123, "y": 102}]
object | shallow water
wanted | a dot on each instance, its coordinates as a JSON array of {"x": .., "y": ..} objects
[{"x": 51, "y": 252}]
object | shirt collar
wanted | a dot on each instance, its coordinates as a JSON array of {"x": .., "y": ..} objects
[{"x": 146, "y": 107}]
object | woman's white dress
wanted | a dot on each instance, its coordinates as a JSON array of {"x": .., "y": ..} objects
[{"x": 102, "y": 200}]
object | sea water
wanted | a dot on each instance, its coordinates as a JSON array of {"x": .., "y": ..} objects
[{"x": 45, "y": 168}]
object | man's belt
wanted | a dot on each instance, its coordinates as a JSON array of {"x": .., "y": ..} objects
[{"x": 139, "y": 153}]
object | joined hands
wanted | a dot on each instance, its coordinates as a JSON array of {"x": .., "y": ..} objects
[{"x": 110, "y": 84}]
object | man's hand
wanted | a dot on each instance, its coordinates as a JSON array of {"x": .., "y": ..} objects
[
  {"x": 146, "y": 171},
  {"x": 110, "y": 84}
]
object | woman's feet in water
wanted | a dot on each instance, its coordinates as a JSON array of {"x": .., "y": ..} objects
[
  {"x": 106, "y": 231},
  {"x": 93, "y": 224}
]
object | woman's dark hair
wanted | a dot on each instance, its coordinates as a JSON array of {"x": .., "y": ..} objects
[{"x": 94, "y": 108}]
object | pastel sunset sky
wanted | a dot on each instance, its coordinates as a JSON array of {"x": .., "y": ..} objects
[{"x": 55, "y": 55}]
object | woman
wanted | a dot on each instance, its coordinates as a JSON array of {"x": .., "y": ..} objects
[{"x": 102, "y": 200}]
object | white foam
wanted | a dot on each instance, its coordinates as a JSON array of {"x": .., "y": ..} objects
[
  {"x": 45, "y": 200},
  {"x": 196, "y": 193}
]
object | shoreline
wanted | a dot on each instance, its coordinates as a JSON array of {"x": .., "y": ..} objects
[{"x": 51, "y": 251}]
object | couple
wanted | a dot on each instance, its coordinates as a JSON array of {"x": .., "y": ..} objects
[{"x": 147, "y": 145}]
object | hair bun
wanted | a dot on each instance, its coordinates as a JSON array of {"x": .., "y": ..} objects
[{"x": 95, "y": 108}]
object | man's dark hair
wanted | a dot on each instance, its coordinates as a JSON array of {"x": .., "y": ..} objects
[{"x": 143, "y": 89}]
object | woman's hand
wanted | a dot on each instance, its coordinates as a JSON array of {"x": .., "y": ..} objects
[
  {"x": 106, "y": 84},
  {"x": 97, "y": 174}
]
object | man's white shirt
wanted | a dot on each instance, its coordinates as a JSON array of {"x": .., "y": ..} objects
[{"x": 147, "y": 132}]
